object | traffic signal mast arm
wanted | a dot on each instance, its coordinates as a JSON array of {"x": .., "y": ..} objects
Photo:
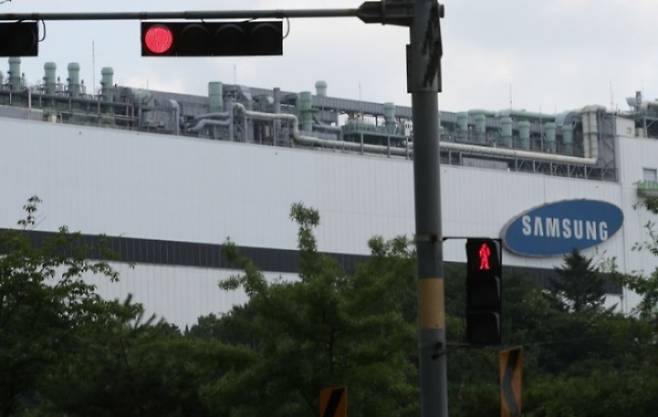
[
  {"x": 394, "y": 12},
  {"x": 185, "y": 15},
  {"x": 385, "y": 12}
]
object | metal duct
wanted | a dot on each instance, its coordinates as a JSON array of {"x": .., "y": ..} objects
[
  {"x": 208, "y": 122},
  {"x": 591, "y": 131},
  {"x": 315, "y": 141},
  {"x": 215, "y": 97},
  {"x": 482, "y": 150}
]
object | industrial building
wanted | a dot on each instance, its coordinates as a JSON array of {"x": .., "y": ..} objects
[{"x": 169, "y": 177}]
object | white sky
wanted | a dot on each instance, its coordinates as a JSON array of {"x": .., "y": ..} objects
[{"x": 555, "y": 54}]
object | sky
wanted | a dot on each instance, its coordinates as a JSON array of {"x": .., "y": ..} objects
[{"x": 540, "y": 55}]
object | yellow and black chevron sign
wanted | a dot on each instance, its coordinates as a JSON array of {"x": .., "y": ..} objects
[
  {"x": 333, "y": 402},
  {"x": 511, "y": 380}
]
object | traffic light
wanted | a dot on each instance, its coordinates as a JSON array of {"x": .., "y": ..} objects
[
  {"x": 19, "y": 39},
  {"x": 212, "y": 38},
  {"x": 483, "y": 291}
]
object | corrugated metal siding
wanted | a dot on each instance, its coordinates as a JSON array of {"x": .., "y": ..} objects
[
  {"x": 149, "y": 186},
  {"x": 177, "y": 294}
]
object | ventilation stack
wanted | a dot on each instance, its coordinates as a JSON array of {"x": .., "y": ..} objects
[
  {"x": 107, "y": 84},
  {"x": 389, "y": 117},
  {"x": 305, "y": 109},
  {"x": 591, "y": 131},
  {"x": 462, "y": 124},
  {"x": 567, "y": 139},
  {"x": 50, "y": 78},
  {"x": 215, "y": 97},
  {"x": 15, "y": 73},
  {"x": 524, "y": 134},
  {"x": 550, "y": 130},
  {"x": 480, "y": 120},
  {"x": 74, "y": 86},
  {"x": 506, "y": 131},
  {"x": 321, "y": 88}
]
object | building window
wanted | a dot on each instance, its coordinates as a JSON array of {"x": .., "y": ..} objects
[{"x": 649, "y": 174}]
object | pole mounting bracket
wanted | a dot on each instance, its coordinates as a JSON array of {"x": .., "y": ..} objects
[
  {"x": 391, "y": 12},
  {"x": 387, "y": 12}
]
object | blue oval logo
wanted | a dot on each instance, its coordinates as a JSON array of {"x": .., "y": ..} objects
[{"x": 560, "y": 227}]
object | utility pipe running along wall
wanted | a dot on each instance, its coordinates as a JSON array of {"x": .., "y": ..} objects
[{"x": 379, "y": 149}]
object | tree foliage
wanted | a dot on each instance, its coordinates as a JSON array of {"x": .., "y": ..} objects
[
  {"x": 328, "y": 328},
  {"x": 44, "y": 302},
  {"x": 579, "y": 286},
  {"x": 66, "y": 352}
]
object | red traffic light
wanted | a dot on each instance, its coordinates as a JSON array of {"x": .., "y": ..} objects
[
  {"x": 158, "y": 39},
  {"x": 178, "y": 39}
]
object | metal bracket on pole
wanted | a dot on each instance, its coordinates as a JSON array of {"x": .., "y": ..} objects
[
  {"x": 426, "y": 238},
  {"x": 387, "y": 12},
  {"x": 424, "y": 56},
  {"x": 428, "y": 53}
]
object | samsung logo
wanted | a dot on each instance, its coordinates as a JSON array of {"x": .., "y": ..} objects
[
  {"x": 558, "y": 228},
  {"x": 564, "y": 228}
]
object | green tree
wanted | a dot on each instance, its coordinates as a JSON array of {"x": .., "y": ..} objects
[
  {"x": 69, "y": 353},
  {"x": 43, "y": 300},
  {"x": 579, "y": 286},
  {"x": 645, "y": 286},
  {"x": 129, "y": 368},
  {"x": 328, "y": 328}
]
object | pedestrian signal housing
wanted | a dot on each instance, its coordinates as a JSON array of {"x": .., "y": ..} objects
[{"x": 483, "y": 292}]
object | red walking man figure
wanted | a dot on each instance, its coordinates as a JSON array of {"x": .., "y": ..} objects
[{"x": 484, "y": 253}]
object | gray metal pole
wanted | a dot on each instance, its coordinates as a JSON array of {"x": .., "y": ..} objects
[
  {"x": 432, "y": 338},
  {"x": 192, "y": 15}
]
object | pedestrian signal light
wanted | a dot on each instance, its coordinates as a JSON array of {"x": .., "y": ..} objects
[
  {"x": 19, "y": 39},
  {"x": 483, "y": 291},
  {"x": 485, "y": 254},
  {"x": 212, "y": 38}
]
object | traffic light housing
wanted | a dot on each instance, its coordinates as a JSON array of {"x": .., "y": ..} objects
[
  {"x": 19, "y": 39},
  {"x": 212, "y": 38},
  {"x": 483, "y": 292}
]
